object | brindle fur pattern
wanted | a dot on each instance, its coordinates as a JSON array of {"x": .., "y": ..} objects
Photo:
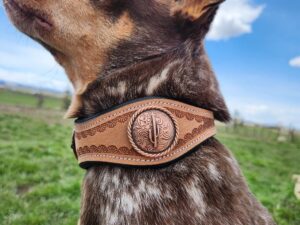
[
  {"x": 134, "y": 49},
  {"x": 206, "y": 187}
]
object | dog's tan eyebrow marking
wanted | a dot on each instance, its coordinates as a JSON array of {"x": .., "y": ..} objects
[
  {"x": 124, "y": 26},
  {"x": 193, "y": 9}
]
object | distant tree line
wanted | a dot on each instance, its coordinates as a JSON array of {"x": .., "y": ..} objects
[
  {"x": 40, "y": 100},
  {"x": 257, "y": 131}
]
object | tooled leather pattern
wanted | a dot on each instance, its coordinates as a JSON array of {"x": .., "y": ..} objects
[
  {"x": 187, "y": 115},
  {"x": 124, "y": 118},
  {"x": 101, "y": 128},
  {"x": 112, "y": 149}
]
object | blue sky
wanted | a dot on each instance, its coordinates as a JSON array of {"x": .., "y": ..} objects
[{"x": 253, "y": 46}]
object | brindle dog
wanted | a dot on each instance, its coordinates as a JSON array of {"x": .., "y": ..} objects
[{"x": 119, "y": 50}]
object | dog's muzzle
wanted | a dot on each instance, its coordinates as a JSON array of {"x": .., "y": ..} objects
[{"x": 146, "y": 132}]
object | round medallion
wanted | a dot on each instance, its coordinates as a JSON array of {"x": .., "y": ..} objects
[{"x": 153, "y": 131}]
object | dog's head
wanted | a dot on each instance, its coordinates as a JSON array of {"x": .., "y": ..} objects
[{"x": 89, "y": 37}]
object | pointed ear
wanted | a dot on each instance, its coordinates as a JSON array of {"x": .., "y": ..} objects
[{"x": 194, "y": 16}]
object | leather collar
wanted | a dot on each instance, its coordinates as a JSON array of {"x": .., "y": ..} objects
[{"x": 145, "y": 132}]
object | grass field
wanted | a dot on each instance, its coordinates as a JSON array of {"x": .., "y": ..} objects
[{"x": 40, "y": 180}]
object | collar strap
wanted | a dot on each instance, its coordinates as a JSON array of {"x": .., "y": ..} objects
[{"x": 143, "y": 133}]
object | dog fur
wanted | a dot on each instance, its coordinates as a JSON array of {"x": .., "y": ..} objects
[{"x": 119, "y": 50}]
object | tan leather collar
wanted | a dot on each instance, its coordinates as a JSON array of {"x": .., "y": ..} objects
[{"x": 143, "y": 133}]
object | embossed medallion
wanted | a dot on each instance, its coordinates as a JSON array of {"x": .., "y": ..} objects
[{"x": 153, "y": 131}]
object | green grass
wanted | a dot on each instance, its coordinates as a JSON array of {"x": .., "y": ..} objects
[
  {"x": 18, "y": 98},
  {"x": 268, "y": 167},
  {"x": 40, "y": 180}
]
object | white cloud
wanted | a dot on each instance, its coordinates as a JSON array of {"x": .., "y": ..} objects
[
  {"x": 295, "y": 62},
  {"x": 234, "y": 18}
]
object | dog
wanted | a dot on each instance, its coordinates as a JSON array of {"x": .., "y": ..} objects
[{"x": 114, "y": 51}]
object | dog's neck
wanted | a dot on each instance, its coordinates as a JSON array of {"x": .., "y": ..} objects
[{"x": 178, "y": 74}]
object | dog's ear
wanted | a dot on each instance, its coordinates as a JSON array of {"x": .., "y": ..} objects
[{"x": 193, "y": 17}]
